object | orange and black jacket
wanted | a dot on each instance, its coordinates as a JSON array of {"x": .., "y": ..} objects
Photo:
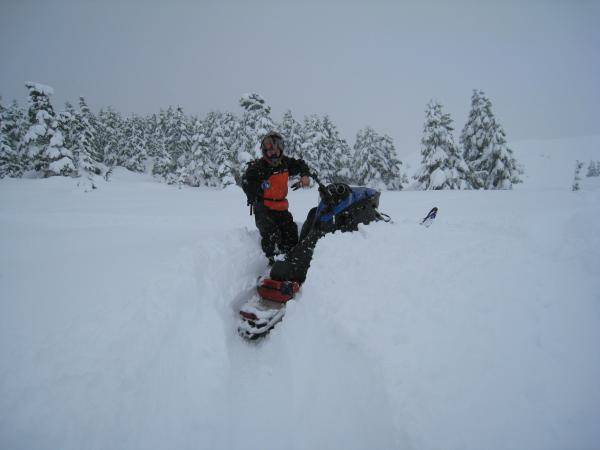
[{"x": 268, "y": 184}]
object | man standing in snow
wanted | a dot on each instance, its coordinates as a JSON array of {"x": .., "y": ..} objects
[{"x": 266, "y": 186}]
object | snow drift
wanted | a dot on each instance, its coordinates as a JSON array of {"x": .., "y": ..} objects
[{"x": 118, "y": 311}]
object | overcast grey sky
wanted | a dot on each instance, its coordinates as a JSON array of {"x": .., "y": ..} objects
[{"x": 362, "y": 62}]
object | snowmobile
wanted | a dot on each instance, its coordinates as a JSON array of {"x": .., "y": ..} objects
[{"x": 341, "y": 207}]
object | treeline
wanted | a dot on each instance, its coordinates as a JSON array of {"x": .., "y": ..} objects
[
  {"x": 38, "y": 141},
  {"x": 179, "y": 148}
]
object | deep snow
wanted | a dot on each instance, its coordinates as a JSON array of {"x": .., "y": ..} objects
[{"x": 118, "y": 314}]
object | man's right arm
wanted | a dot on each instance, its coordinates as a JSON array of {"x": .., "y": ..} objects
[{"x": 251, "y": 183}]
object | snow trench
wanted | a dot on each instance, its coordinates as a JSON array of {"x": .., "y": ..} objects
[{"x": 301, "y": 387}]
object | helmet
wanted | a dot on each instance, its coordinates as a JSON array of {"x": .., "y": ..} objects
[{"x": 272, "y": 140}]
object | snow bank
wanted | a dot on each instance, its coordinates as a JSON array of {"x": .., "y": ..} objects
[
  {"x": 482, "y": 325},
  {"x": 550, "y": 164}
]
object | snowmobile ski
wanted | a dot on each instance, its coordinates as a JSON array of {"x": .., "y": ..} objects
[
  {"x": 259, "y": 316},
  {"x": 266, "y": 308},
  {"x": 428, "y": 219}
]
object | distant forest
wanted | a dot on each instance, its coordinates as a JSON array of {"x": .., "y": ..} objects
[{"x": 38, "y": 141}]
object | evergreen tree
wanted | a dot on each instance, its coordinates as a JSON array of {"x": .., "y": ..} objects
[
  {"x": 576, "y": 178},
  {"x": 195, "y": 170},
  {"x": 111, "y": 136},
  {"x": 254, "y": 124},
  {"x": 593, "y": 169},
  {"x": 314, "y": 146},
  {"x": 485, "y": 149},
  {"x": 133, "y": 155},
  {"x": 291, "y": 130},
  {"x": 376, "y": 162},
  {"x": 442, "y": 166},
  {"x": 164, "y": 166},
  {"x": 325, "y": 151},
  {"x": 78, "y": 138},
  {"x": 15, "y": 127},
  {"x": 10, "y": 161},
  {"x": 222, "y": 134},
  {"x": 500, "y": 164},
  {"x": 212, "y": 143},
  {"x": 89, "y": 128},
  {"x": 183, "y": 156},
  {"x": 336, "y": 154},
  {"x": 177, "y": 135},
  {"x": 150, "y": 128},
  {"x": 44, "y": 141},
  {"x": 66, "y": 121},
  {"x": 476, "y": 137}
]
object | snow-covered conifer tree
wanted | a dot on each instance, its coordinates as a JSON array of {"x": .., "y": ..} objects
[
  {"x": 164, "y": 141},
  {"x": 195, "y": 170},
  {"x": 213, "y": 146},
  {"x": 442, "y": 166},
  {"x": 181, "y": 138},
  {"x": 576, "y": 178},
  {"x": 15, "y": 126},
  {"x": 485, "y": 149},
  {"x": 476, "y": 137},
  {"x": 88, "y": 125},
  {"x": 311, "y": 147},
  {"x": 44, "y": 141},
  {"x": 78, "y": 138},
  {"x": 222, "y": 148},
  {"x": 336, "y": 158},
  {"x": 503, "y": 170},
  {"x": 593, "y": 169},
  {"x": 133, "y": 156},
  {"x": 177, "y": 140},
  {"x": 325, "y": 151},
  {"x": 151, "y": 127},
  {"x": 376, "y": 162},
  {"x": 290, "y": 129},
  {"x": 111, "y": 136},
  {"x": 11, "y": 165},
  {"x": 254, "y": 124}
]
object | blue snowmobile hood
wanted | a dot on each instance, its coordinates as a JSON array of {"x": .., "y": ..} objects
[{"x": 356, "y": 195}]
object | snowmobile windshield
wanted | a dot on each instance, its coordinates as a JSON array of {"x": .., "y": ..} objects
[
  {"x": 334, "y": 193},
  {"x": 326, "y": 211}
]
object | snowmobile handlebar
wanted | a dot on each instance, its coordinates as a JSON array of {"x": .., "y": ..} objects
[
  {"x": 324, "y": 192},
  {"x": 298, "y": 184}
]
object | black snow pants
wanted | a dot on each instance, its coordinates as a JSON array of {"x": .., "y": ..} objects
[
  {"x": 278, "y": 231},
  {"x": 297, "y": 262}
]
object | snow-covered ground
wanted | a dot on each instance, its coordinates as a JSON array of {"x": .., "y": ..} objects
[{"x": 118, "y": 315}]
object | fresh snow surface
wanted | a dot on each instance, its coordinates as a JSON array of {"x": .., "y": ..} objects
[{"x": 118, "y": 310}]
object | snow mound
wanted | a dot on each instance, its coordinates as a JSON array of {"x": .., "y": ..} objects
[
  {"x": 118, "y": 312},
  {"x": 550, "y": 164}
]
